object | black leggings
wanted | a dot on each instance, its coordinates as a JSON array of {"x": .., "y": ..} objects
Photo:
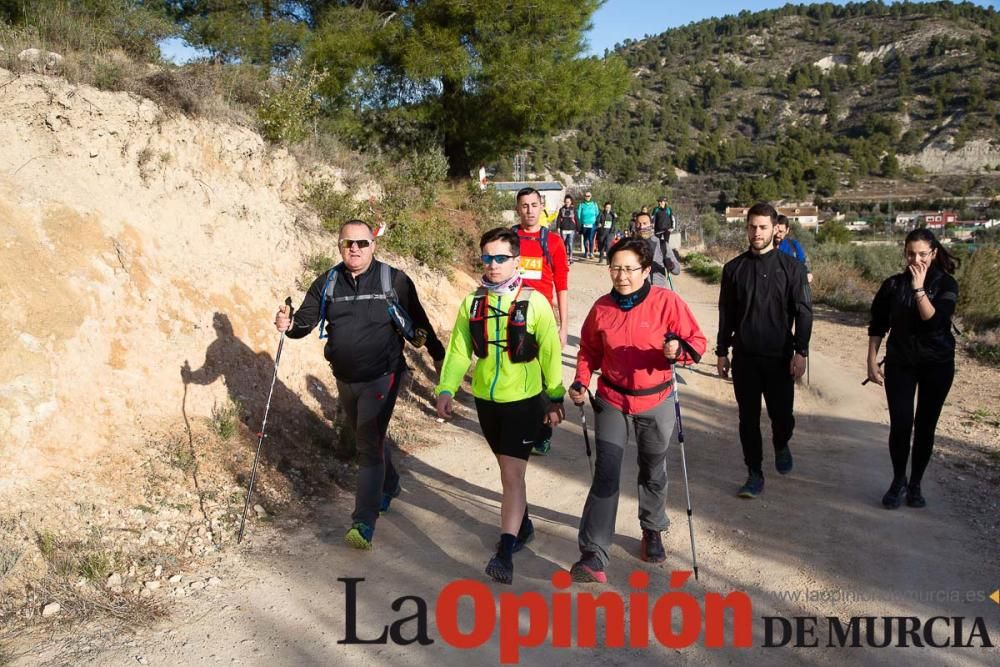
[{"x": 901, "y": 384}]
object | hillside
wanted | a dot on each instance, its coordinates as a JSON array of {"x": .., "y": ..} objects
[
  {"x": 135, "y": 243},
  {"x": 805, "y": 101}
]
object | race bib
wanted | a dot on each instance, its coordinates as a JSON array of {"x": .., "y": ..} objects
[{"x": 531, "y": 267}]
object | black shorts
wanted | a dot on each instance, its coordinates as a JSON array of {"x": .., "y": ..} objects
[{"x": 512, "y": 428}]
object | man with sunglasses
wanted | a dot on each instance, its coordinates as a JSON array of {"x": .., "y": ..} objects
[
  {"x": 364, "y": 347},
  {"x": 544, "y": 267}
]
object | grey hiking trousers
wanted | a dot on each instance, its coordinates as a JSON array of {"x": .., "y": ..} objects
[
  {"x": 369, "y": 407},
  {"x": 653, "y": 430}
]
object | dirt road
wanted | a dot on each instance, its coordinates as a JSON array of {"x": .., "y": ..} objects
[{"x": 818, "y": 533}]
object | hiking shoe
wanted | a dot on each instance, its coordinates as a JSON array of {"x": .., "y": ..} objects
[
  {"x": 783, "y": 460},
  {"x": 754, "y": 485},
  {"x": 360, "y": 536},
  {"x": 524, "y": 535},
  {"x": 588, "y": 569},
  {"x": 542, "y": 448},
  {"x": 501, "y": 569},
  {"x": 651, "y": 547},
  {"x": 894, "y": 496},
  {"x": 387, "y": 499},
  {"x": 913, "y": 496}
]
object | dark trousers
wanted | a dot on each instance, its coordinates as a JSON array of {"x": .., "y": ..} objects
[
  {"x": 901, "y": 383},
  {"x": 754, "y": 377},
  {"x": 653, "y": 430},
  {"x": 604, "y": 237},
  {"x": 369, "y": 407}
]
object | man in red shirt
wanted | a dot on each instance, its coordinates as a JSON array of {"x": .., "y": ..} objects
[{"x": 545, "y": 268}]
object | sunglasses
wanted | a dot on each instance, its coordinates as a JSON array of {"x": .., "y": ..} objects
[
  {"x": 361, "y": 243},
  {"x": 499, "y": 259}
]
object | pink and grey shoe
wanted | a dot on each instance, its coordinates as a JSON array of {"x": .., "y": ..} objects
[{"x": 588, "y": 569}]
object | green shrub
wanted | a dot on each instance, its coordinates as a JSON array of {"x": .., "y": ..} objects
[
  {"x": 432, "y": 241},
  {"x": 839, "y": 284},
  {"x": 333, "y": 208},
  {"x": 225, "y": 418},
  {"x": 833, "y": 232},
  {"x": 487, "y": 206},
  {"x": 289, "y": 105},
  {"x": 703, "y": 267},
  {"x": 979, "y": 289},
  {"x": 873, "y": 262},
  {"x": 109, "y": 75},
  {"x": 95, "y": 566}
]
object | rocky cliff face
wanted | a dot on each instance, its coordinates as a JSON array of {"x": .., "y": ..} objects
[{"x": 131, "y": 242}]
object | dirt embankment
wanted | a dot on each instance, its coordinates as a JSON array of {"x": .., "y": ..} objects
[{"x": 133, "y": 242}]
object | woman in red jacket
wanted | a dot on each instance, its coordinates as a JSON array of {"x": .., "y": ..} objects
[{"x": 633, "y": 335}]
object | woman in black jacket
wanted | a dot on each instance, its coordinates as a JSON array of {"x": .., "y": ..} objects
[{"x": 915, "y": 307}]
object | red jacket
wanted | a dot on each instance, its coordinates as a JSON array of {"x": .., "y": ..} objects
[
  {"x": 537, "y": 272},
  {"x": 627, "y": 347}
]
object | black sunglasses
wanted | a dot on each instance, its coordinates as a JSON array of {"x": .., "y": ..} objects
[{"x": 361, "y": 243}]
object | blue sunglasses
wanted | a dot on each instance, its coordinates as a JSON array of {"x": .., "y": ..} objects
[{"x": 499, "y": 259}]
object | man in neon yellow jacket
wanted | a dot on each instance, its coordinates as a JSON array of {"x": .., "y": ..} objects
[{"x": 511, "y": 332}]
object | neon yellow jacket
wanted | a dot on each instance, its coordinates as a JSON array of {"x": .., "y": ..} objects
[{"x": 496, "y": 378}]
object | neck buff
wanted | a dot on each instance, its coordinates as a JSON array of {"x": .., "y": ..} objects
[
  {"x": 630, "y": 301},
  {"x": 509, "y": 286}
]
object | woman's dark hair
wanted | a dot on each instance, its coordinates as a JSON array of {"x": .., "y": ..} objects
[
  {"x": 502, "y": 234},
  {"x": 639, "y": 246},
  {"x": 607, "y": 203},
  {"x": 569, "y": 197},
  {"x": 943, "y": 260}
]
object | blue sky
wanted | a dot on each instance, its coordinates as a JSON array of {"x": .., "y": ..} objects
[
  {"x": 619, "y": 20},
  {"x": 615, "y": 22}
]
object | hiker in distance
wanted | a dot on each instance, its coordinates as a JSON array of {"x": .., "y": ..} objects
[
  {"x": 789, "y": 246},
  {"x": 632, "y": 335},
  {"x": 567, "y": 225},
  {"x": 765, "y": 316},
  {"x": 915, "y": 308},
  {"x": 662, "y": 264},
  {"x": 607, "y": 223},
  {"x": 366, "y": 310},
  {"x": 587, "y": 212},
  {"x": 509, "y": 329},
  {"x": 664, "y": 222},
  {"x": 545, "y": 268}
]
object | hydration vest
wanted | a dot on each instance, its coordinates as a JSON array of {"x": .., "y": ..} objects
[
  {"x": 400, "y": 318},
  {"x": 520, "y": 345}
]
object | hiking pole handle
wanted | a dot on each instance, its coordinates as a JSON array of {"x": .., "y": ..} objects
[
  {"x": 686, "y": 346},
  {"x": 577, "y": 386}
]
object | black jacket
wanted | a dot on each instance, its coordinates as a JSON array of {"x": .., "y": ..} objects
[
  {"x": 362, "y": 342},
  {"x": 912, "y": 340},
  {"x": 604, "y": 218},
  {"x": 761, "y": 297}
]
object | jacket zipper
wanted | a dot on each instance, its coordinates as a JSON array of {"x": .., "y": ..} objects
[{"x": 496, "y": 373}]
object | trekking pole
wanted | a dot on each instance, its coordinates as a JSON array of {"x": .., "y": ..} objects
[
  {"x": 260, "y": 442},
  {"x": 583, "y": 419},
  {"x": 680, "y": 440}
]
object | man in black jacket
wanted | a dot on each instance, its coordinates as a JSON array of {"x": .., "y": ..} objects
[
  {"x": 763, "y": 294},
  {"x": 364, "y": 347}
]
